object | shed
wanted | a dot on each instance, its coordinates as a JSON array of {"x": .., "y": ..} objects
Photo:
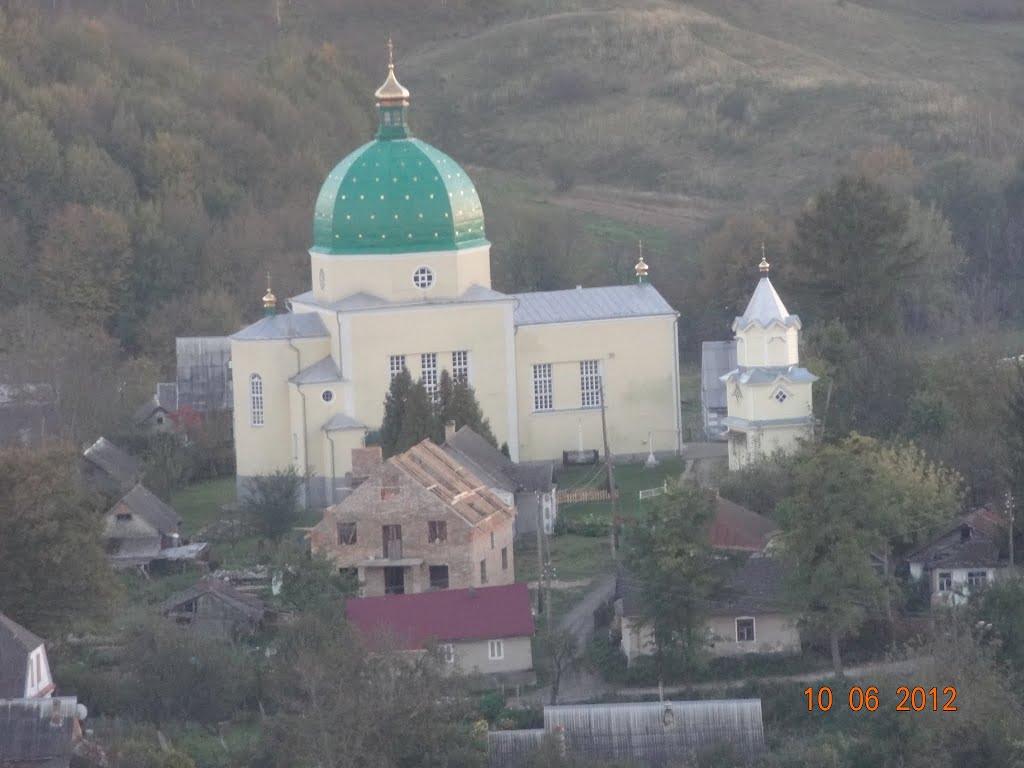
[
  {"x": 217, "y": 608},
  {"x": 38, "y": 733},
  {"x": 109, "y": 469},
  {"x": 717, "y": 359},
  {"x": 138, "y": 527}
]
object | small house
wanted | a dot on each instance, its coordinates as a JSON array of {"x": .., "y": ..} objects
[
  {"x": 39, "y": 733},
  {"x": 218, "y": 609},
  {"x": 110, "y": 470},
  {"x": 966, "y": 555},
  {"x": 138, "y": 527},
  {"x": 24, "y": 668},
  {"x": 529, "y": 488},
  {"x": 485, "y": 631},
  {"x": 416, "y": 522},
  {"x": 736, "y": 528}
]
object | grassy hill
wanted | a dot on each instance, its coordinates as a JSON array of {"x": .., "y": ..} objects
[{"x": 709, "y": 104}]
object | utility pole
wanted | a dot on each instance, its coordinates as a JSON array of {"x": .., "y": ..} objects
[
  {"x": 542, "y": 601},
  {"x": 610, "y": 467},
  {"x": 1009, "y": 519}
]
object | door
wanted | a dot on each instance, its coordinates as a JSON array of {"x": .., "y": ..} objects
[
  {"x": 394, "y": 581},
  {"x": 392, "y": 535}
]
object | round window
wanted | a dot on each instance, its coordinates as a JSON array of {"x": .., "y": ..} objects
[
  {"x": 327, "y": 396},
  {"x": 323, "y": 280},
  {"x": 423, "y": 277}
]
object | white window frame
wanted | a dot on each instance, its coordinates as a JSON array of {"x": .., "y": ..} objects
[
  {"x": 543, "y": 388},
  {"x": 460, "y": 366},
  {"x": 590, "y": 383},
  {"x": 971, "y": 578},
  {"x": 939, "y": 580},
  {"x": 447, "y": 652},
  {"x": 396, "y": 364},
  {"x": 753, "y": 629},
  {"x": 423, "y": 278},
  {"x": 428, "y": 372},
  {"x": 257, "y": 415},
  {"x": 495, "y": 650}
]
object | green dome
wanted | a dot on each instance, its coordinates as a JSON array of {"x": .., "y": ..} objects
[{"x": 397, "y": 195}]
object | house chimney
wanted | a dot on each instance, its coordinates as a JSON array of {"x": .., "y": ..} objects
[
  {"x": 366, "y": 462},
  {"x": 449, "y": 431}
]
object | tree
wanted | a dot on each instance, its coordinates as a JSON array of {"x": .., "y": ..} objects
[
  {"x": 852, "y": 259},
  {"x": 271, "y": 503},
  {"x": 558, "y": 653},
  {"x": 169, "y": 464},
  {"x": 849, "y": 502},
  {"x": 395, "y": 404},
  {"x": 457, "y": 403},
  {"x": 419, "y": 420},
  {"x": 668, "y": 554},
  {"x": 53, "y": 571},
  {"x": 311, "y": 582},
  {"x": 1012, "y": 433}
]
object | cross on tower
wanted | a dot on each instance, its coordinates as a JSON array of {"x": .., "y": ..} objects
[{"x": 391, "y": 53}]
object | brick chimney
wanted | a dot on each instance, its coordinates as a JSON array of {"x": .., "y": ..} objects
[
  {"x": 366, "y": 462},
  {"x": 449, "y": 431}
]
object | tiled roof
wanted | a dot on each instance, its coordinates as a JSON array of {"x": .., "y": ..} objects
[
  {"x": 305, "y": 325},
  {"x": 16, "y": 643},
  {"x": 151, "y": 509},
  {"x": 321, "y": 372},
  {"x": 114, "y": 462},
  {"x": 38, "y": 732},
  {"x": 450, "y": 482},
  {"x": 444, "y": 615},
  {"x": 248, "y": 605},
  {"x": 736, "y": 527},
  {"x": 582, "y": 304},
  {"x": 765, "y": 307}
]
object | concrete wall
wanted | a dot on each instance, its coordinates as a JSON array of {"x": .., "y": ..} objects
[
  {"x": 472, "y": 657},
  {"x": 640, "y": 382},
  {"x": 960, "y": 590},
  {"x": 390, "y": 275}
]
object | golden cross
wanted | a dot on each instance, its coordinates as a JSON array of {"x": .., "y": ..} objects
[
  {"x": 641, "y": 243},
  {"x": 391, "y": 53}
]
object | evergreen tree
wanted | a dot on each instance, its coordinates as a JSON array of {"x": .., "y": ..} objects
[
  {"x": 419, "y": 421},
  {"x": 465, "y": 411},
  {"x": 394, "y": 412},
  {"x": 1012, "y": 432},
  {"x": 443, "y": 404}
]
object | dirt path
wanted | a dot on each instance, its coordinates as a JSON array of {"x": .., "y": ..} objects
[{"x": 673, "y": 213}]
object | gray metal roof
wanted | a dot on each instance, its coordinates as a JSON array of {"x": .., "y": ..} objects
[
  {"x": 340, "y": 421},
  {"x": 38, "y": 732},
  {"x": 16, "y": 643},
  {"x": 151, "y": 509},
  {"x": 363, "y": 300},
  {"x": 765, "y": 307},
  {"x": 769, "y": 374},
  {"x": 250, "y": 606},
  {"x": 304, "y": 325},
  {"x": 582, "y": 304},
  {"x": 203, "y": 373},
  {"x": 321, "y": 372},
  {"x": 744, "y": 425},
  {"x": 124, "y": 469},
  {"x": 717, "y": 358},
  {"x": 167, "y": 395}
]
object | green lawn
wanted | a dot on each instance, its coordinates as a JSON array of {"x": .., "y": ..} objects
[
  {"x": 574, "y": 557},
  {"x": 202, "y": 503},
  {"x": 630, "y": 479}
]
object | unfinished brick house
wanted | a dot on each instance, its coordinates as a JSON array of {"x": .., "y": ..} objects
[{"x": 416, "y": 522}]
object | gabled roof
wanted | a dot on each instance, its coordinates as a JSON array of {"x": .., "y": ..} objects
[
  {"x": 765, "y": 307},
  {"x": 147, "y": 409},
  {"x": 151, "y": 509},
  {"x": 471, "y": 450},
  {"x": 38, "y": 732},
  {"x": 363, "y": 301},
  {"x": 446, "y": 615},
  {"x": 305, "y": 325},
  {"x": 582, "y": 304},
  {"x": 16, "y": 643},
  {"x": 951, "y": 549},
  {"x": 248, "y": 605},
  {"x": 114, "y": 462},
  {"x": 736, "y": 527},
  {"x": 452, "y": 483},
  {"x": 321, "y": 372}
]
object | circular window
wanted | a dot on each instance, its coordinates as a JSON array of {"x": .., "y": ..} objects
[
  {"x": 323, "y": 280},
  {"x": 327, "y": 396},
  {"x": 423, "y": 277}
]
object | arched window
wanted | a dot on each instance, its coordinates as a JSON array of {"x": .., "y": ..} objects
[{"x": 256, "y": 400}]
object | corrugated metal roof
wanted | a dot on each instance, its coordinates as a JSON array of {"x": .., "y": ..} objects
[
  {"x": 37, "y": 731},
  {"x": 304, "y": 325},
  {"x": 582, "y": 304},
  {"x": 717, "y": 358},
  {"x": 512, "y": 749},
  {"x": 321, "y": 372}
]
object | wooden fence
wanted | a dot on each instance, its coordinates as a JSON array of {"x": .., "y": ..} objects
[{"x": 583, "y": 495}]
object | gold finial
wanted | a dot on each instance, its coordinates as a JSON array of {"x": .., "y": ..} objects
[
  {"x": 269, "y": 300},
  {"x": 763, "y": 266},
  {"x": 641, "y": 267},
  {"x": 392, "y": 91}
]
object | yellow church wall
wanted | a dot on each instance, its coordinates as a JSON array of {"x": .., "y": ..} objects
[
  {"x": 641, "y": 391},
  {"x": 484, "y": 331},
  {"x": 308, "y": 409},
  {"x": 774, "y": 346},
  {"x": 263, "y": 449},
  {"x": 336, "y": 450},
  {"x": 391, "y": 275},
  {"x": 758, "y": 402}
]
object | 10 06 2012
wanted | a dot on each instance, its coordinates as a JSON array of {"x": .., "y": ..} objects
[{"x": 866, "y": 699}]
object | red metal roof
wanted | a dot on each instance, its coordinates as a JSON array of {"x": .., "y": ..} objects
[
  {"x": 411, "y": 621},
  {"x": 736, "y": 527}
]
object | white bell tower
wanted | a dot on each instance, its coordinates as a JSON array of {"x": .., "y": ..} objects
[{"x": 769, "y": 394}]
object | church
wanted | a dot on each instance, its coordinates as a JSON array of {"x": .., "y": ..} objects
[{"x": 401, "y": 279}]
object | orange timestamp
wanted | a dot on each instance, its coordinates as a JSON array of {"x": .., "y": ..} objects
[{"x": 911, "y": 699}]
